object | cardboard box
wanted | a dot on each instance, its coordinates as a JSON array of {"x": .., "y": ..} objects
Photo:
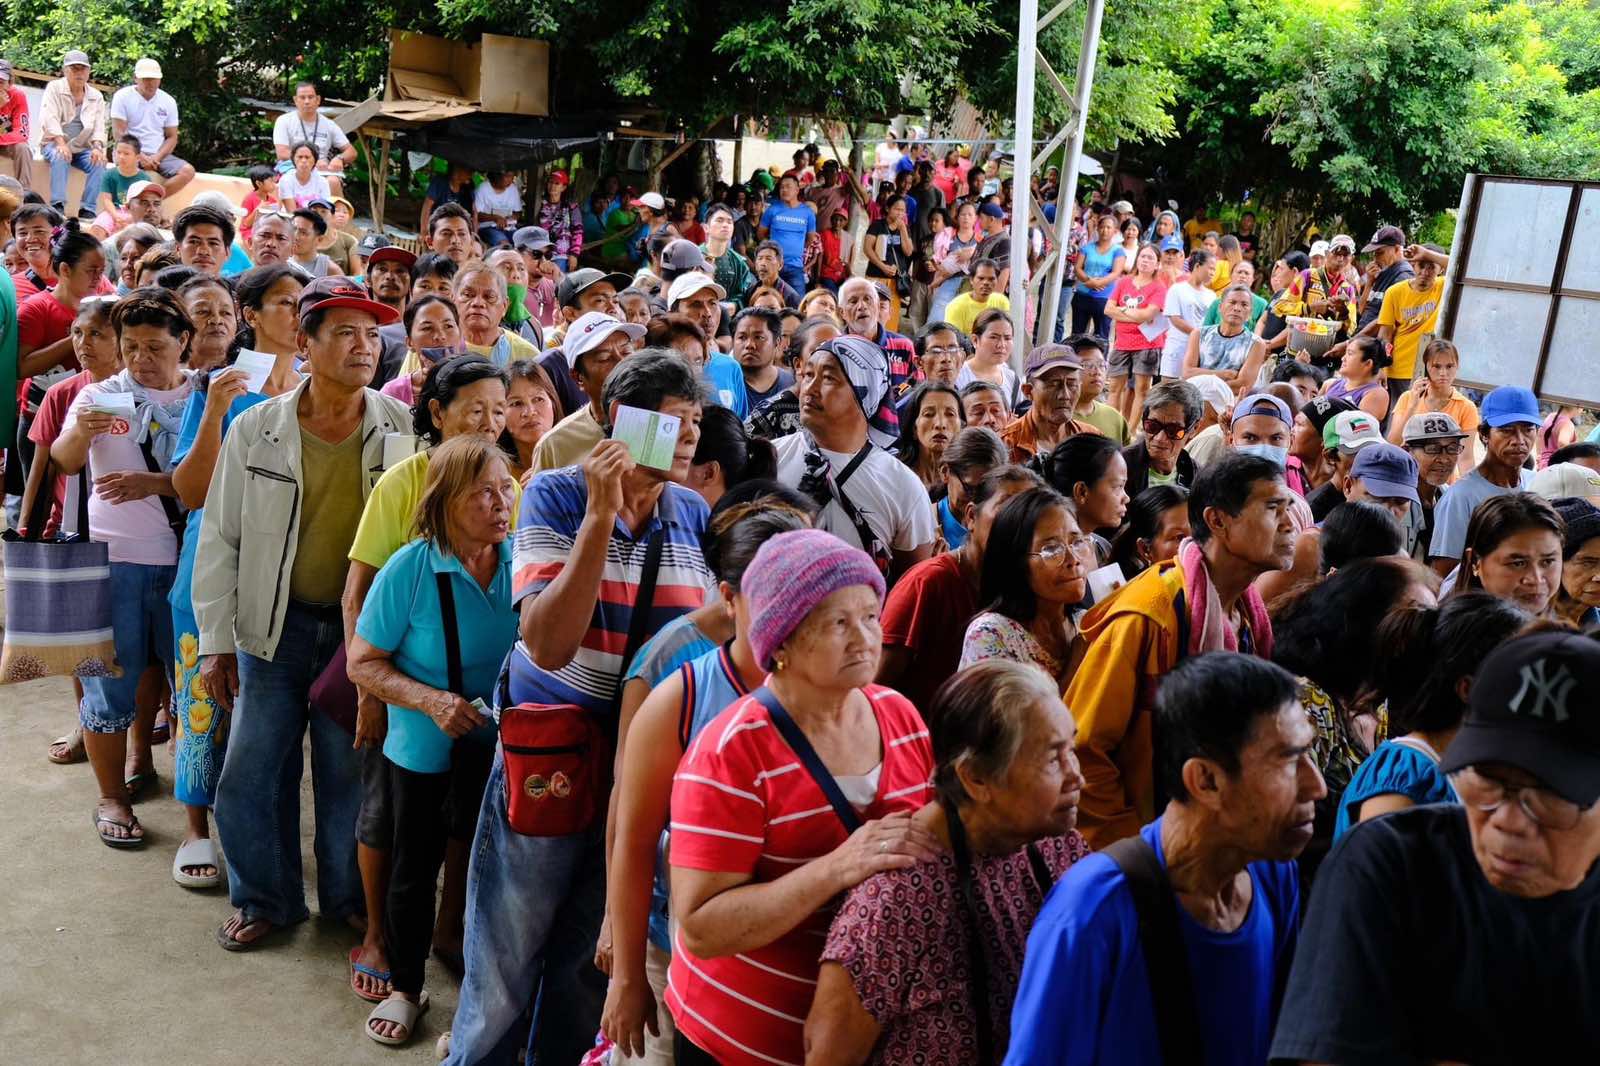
[{"x": 499, "y": 74}]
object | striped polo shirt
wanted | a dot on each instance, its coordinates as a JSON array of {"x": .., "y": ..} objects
[
  {"x": 743, "y": 803},
  {"x": 547, "y": 529}
]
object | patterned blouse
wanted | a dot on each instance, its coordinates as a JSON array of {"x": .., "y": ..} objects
[
  {"x": 991, "y": 635},
  {"x": 902, "y": 938},
  {"x": 565, "y": 223},
  {"x": 1338, "y": 749}
]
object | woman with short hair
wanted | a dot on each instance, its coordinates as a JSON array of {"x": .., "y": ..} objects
[
  {"x": 922, "y": 964},
  {"x": 433, "y": 335},
  {"x": 1513, "y": 549},
  {"x": 532, "y": 409},
  {"x": 433, "y": 630}
]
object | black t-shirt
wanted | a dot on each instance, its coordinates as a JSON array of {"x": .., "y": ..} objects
[
  {"x": 893, "y": 254},
  {"x": 1248, "y": 242},
  {"x": 1397, "y": 273},
  {"x": 756, "y": 399},
  {"x": 1324, "y": 499},
  {"x": 1408, "y": 955}
]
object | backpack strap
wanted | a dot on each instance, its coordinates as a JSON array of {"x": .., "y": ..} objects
[{"x": 1166, "y": 959}]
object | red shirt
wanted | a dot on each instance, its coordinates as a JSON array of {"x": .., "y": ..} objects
[
  {"x": 46, "y": 428},
  {"x": 927, "y": 614},
  {"x": 43, "y": 320},
  {"x": 1131, "y": 296},
  {"x": 743, "y": 803},
  {"x": 14, "y": 117}
]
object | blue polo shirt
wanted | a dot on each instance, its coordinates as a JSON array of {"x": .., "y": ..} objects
[
  {"x": 403, "y": 616},
  {"x": 789, "y": 226}
]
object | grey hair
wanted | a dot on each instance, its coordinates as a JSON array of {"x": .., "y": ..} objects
[
  {"x": 1172, "y": 391},
  {"x": 978, "y": 719},
  {"x": 479, "y": 266},
  {"x": 652, "y": 375}
]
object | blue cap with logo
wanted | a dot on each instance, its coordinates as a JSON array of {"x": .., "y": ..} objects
[
  {"x": 1172, "y": 243},
  {"x": 1510, "y": 404},
  {"x": 1386, "y": 471}
]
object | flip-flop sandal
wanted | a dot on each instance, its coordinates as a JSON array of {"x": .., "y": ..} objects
[
  {"x": 140, "y": 784},
  {"x": 377, "y": 975},
  {"x": 228, "y": 943},
  {"x": 201, "y": 852},
  {"x": 122, "y": 843},
  {"x": 401, "y": 1011},
  {"x": 451, "y": 961},
  {"x": 75, "y": 751}
]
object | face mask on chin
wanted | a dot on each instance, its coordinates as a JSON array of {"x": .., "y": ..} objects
[{"x": 1278, "y": 455}]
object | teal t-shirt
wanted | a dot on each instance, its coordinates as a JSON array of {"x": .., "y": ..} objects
[
  {"x": 118, "y": 185},
  {"x": 402, "y": 616}
]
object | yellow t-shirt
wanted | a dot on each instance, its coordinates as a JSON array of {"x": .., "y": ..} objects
[
  {"x": 389, "y": 521},
  {"x": 1219, "y": 280},
  {"x": 963, "y": 311},
  {"x": 520, "y": 349},
  {"x": 1196, "y": 229},
  {"x": 569, "y": 441},
  {"x": 1410, "y": 314},
  {"x": 329, "y": 513}
]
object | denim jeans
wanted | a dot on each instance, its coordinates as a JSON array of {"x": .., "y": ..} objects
[
  {"x": 795, "y": 275},
  {"x": 258, "y": 794},
  {"x": 1089, "y": 315},
  {"x": 59, "y": 165},
  {"x": 141, "y": 627},
  {"x": 534, "y": 906}
]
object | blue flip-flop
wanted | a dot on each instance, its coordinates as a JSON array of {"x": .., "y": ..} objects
[{"x": 358, "y": 968}]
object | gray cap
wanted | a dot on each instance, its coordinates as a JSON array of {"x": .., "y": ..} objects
[
  {"x": 75, "y": 58},
  {"x": 1431, "y": 425},
  {"x": 683, "y": 255},
  {"x": 371, "y": 243},
  {"x": 5, "y": 69},
  {"x": 533, "y": 238}
]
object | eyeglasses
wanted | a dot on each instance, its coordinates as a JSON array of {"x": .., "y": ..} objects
[
  {"x": 953, "y": 349},
  {"x": 1433, "y": 451},
  {"x": 1055, "y": 553},
  {"x": 1540, "y": 804},
  {"x": 534, "y": 254},
  {"x": 1175, "y": 431}
]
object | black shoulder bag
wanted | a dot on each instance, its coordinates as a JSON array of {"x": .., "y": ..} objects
[{"x": 1161, "y": 939}]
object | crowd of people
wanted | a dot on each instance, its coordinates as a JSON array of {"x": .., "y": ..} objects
[{"x": 769, "y": 685}]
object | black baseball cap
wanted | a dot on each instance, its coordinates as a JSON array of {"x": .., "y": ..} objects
[
  {"x": 1323, "y": 409},
  {"x": 573, "y": 285},
  {"x": 1393, "y": 236},
  {"x": 1533, "y": 708}
]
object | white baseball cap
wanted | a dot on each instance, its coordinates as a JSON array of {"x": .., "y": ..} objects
[
  {"x": 147, "y": 68},
  {"x": 653, "y": 200},
  {"x": 139, "y": 188},
  {"x": 590, "y": 330},
  {"x": 1566, "y": 479},
  {"x": 1319, "y": 247},
  {"x": 687, "y": 284},
  {"x": 1214, "y": 392},
  {"x": 217, "y": 201}
]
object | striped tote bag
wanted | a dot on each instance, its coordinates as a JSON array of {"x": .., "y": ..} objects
[{"x": 58, "y": 600}]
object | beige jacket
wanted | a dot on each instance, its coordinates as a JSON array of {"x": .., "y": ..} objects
[
  {"x": 57, "y": 109},
  {"x": 250, "y": 533}
]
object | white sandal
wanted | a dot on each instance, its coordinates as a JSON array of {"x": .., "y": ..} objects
[
  {"x": 401, "y": 1011},
  {"x": 201, "y": 852}
]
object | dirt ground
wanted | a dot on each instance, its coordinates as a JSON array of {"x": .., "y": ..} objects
[{"x": 103, "y": 958}]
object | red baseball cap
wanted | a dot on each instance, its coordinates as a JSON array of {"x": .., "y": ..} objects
[
  {"x": 325, "y": 294},
  {"x": 559, "y": 175},
  {"x": 392, "y": 253}
]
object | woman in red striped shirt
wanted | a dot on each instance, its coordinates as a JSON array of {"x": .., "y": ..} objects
[{"x": 793, "y": 795}]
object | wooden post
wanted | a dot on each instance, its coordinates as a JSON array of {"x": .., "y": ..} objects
[{"x": 738, "y": 151}]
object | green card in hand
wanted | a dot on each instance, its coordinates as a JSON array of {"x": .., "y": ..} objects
[{"x": 651, "y": 436}]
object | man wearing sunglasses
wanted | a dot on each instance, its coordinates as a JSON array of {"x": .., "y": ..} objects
[
  {"x": 1171, "y": 410},
  {"x": 1466, "y": 931}
]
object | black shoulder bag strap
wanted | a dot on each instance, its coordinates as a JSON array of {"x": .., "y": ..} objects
[
  {"x": 452, "y": 636},
  {"x": 639, "y": 620},
  {"x": 175, "y": 517},
  {"x": 1165, "y": 958},
  {"x": 977, "y": 958},
  {"x": 83, "y": 503},
  {"x": 869, "y": 539},
  {"x": 796, "y": 739}
]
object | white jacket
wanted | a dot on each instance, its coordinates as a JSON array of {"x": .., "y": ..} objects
[{"x": 252, "y": 520}]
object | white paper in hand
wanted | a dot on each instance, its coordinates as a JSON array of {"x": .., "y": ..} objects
[
  {"x": 256, "y": 366},
  {"x": 1106, "y": 580},
  {"x": 120, "y": 404},
  {"x": 651, "y": 436}
]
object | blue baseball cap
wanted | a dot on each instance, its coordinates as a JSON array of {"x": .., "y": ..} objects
[
  {"x": 1172, "y": 243},
  {"x": 1263, "y": 403},
  {"x": 992, "y": 210},
  {"x": 1510, "y": 404},
  {"x": 1387, "y": 471}
]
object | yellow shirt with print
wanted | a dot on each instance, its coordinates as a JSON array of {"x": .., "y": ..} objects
[{"x": 1410, "y": 314}]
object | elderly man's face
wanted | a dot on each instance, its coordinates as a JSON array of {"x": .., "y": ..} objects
[
  {"x": 271, "y": 239},
  {"x": 77, "y": 75},
  {"x": 1518, "y": 855}
]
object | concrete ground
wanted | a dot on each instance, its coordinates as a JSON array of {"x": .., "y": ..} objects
[{"x": 104, "y": 959}]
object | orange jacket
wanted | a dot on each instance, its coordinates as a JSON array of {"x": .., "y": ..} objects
[{"x": 1133, "y": 639}]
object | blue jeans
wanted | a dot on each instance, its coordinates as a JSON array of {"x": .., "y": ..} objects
[
  {"x": 795, "y": 275},
  {"x": 59, "y": 164},
  {"x": 493, "y": 237},
  {"x": 534, "y": 906},
  {"x": 1089, "y": 315},
  {"x": 141, "y": 627},
  {"x": 258, "y": 794}
]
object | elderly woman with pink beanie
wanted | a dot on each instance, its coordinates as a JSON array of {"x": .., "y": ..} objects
[{"x": 794, "y": 794}]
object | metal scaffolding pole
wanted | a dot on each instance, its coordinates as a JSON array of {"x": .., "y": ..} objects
[
  {"x": 1046, "y": 284},
  {"x": 1021, "y": 190},
  {"x": 1067, "y": 196}
]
